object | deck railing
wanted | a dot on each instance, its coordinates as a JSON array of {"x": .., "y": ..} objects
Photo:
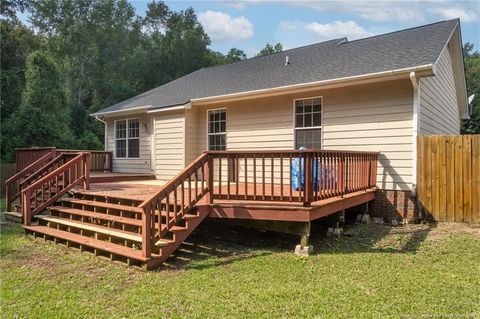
[
  {"x": 163, "y": 210},
  {"x": 13, "y": 185},
  {"x": 63, "y": 173},
  {"x": 24, "y": 157},
  {"x": 289, "y": 176},
  {"x": 101, "y": 161}
]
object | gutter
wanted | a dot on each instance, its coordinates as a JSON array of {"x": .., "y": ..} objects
[{"x": 129, "y": 110}]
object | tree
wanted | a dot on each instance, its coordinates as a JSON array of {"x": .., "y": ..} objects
[
  {"x": 17, "y": 42},
  {"x": 472, "y": 73},
  {"x": 42, "y": 118},
  {"x": 235, "y": 55},
  {"x": 270, "y": 49}
]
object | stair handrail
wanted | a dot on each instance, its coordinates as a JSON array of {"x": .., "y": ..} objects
[
  {"x": 78, "y": 170},
  {"x": 39, "y": 171},
  {"x": 152, "y": 231},
  {"x": 10, "y": 193}
]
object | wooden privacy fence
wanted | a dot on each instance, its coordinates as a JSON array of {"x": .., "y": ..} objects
[{"x": 448, "y": 177}]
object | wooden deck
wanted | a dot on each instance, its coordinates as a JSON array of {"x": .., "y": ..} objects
[
  {"x": 240, "y": 208},
  {"x": 112, "y": 177}
]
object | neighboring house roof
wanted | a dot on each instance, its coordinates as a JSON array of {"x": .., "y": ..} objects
[{"x": 333, "y": 59}]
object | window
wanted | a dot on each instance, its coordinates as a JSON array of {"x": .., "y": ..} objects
[
  {"x": 217, "y": 130},
  {"x": 127, "y": 138},
  {"x": 308, "y": 123}
]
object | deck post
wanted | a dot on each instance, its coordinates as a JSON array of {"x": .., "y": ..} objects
[
  {"x": 26, "y": 202},
  {"x": 209, "y": 174},
  {"x": 8, "y": 198},
  {"x": 86, "y": 171},
  {"x": 146, "y": 232},
  {"x": 308, "y": 180}
]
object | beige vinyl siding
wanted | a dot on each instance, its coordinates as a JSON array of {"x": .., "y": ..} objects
[
  {"x": 373, "y": 117},
  {"x": 260, "y": 124},
  {"x": 169, "y": 143},
  {"x": 438, "y": 100},
  {"x": 131, "y": 165},
  {"x": 191, "y": 126}
]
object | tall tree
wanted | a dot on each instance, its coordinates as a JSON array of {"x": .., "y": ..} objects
[
  {"x": 42, "y": 118},
  {"x": 472, "y": 73},
  {"x": 235, "y": 55},
  {"x": 270, "y": 49},
  {"x": 17, "y": 42}
]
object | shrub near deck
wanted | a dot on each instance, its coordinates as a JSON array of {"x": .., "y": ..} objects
[{"x": 221, "y": 272}]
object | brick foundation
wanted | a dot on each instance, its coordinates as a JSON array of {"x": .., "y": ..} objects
[{"x": 394, "y": 204}]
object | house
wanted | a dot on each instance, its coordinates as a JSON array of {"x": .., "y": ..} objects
[
  {"x": 373, "y": 94},
  {"x": 279, "y": 141}
]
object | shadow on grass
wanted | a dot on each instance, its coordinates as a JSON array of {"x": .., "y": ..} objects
[{"x": 213, "y": 244}]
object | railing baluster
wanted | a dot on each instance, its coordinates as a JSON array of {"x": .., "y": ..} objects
[
  {"x": 229, "y": 173},
  {"x": 263, "y": 176},
  {"x": 272, "y": 178},
  {"x": 290, "y": 177},
  {"x": 246, "y": 177},
  {"x": 220, "y": 176},
  {"x": 254, "y": 177},
  {"x": 281, "y": 177},
  {"x": 237, "y": 174}
]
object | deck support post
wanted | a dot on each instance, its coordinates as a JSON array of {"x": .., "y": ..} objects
[
  {"x": 86, "y": 171},
  {"x": 146, "y": 233},
  {"x": 209, "y": 174}
]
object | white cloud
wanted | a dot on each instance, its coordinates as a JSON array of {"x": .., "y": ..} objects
[
  {"x": 338, "y": 29},
  {"x": 288, "y": 25},
  {"x": 221, "y": 27},
  {"x": 238, "y": 5},
  {"x": 452, "y": 13},
  {"x": 406, "y": 11}
]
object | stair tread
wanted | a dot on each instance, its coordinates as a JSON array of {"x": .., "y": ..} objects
[
  {"x": 101, "y": 204},
  {"x": 114, "y": 196},
  {"x": 100, "y": 229},
  {"x": 15, "y": 214},
  {"x": 92, "y": 227},
  {"x": 91, "y": 242},
  {"x": 103, "y": 216}
]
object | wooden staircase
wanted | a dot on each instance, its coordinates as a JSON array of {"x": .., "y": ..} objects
[
  {"x": 110, "y": 227},
  {"x": 140, "y": 233}
]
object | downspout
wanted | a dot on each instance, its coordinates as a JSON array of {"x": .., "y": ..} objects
[
  {"x": 105, "y": 133},
  {"x": 415, "y": 126}
]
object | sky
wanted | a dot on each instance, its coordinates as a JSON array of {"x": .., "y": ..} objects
[{"x": 249, "y": 25}]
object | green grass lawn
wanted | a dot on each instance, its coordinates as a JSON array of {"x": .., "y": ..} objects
[{"x": 377, "y": 271}]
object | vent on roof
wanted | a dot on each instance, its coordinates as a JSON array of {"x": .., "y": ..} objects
[{"x": 287, "y": 62}]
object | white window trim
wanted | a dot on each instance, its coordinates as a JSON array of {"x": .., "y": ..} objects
[
  {"x": 311, "y": 127},
  {"x": 208, "y": 133},
  {"x": 126, "y": 138}
]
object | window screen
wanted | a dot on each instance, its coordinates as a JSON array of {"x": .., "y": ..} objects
[{"x": 308, "y": 123}]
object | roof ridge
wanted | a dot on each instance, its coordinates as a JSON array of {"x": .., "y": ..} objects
[
  {"x": 274, "y": 53},
  {"x": 398, "y": 31}
]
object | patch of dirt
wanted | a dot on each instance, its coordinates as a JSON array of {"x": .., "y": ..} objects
[{"x": 442, "y": 230}]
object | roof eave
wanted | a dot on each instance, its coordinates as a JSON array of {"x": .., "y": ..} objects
[{"x": 425, "y": 70}]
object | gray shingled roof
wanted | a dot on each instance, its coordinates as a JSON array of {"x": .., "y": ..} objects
[{"x": 323, "y": 61}]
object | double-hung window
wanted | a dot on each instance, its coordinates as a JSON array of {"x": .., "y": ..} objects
[
  {"x": 308, "y": 123},
  {"x": 127, "y": 138},
  {"x": 217, "y": 130}
]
